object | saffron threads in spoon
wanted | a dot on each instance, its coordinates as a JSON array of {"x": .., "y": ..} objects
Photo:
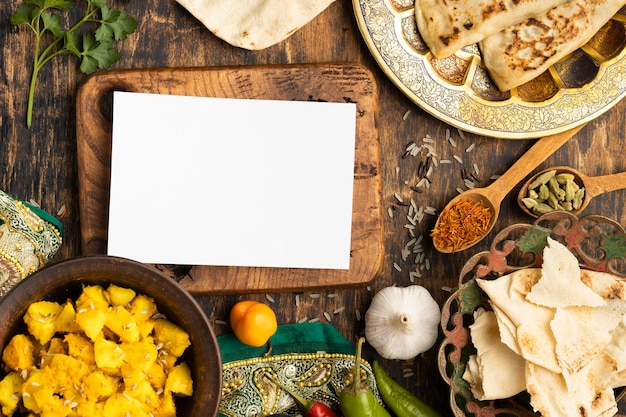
[{"x": 462, "y": 224}]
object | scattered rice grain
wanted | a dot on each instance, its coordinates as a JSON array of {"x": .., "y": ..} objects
[
  {"x": 297, "y": 300},
  {"x": 458, "y": 159},
  {"x": 470, "y": 148},
  {"x": 494, "y": 177},
  {"x": 430, "y": 171},
  {"x": 314, "y": 320},
  {"x": 427, "y": 263},
  {"x": 476, "y": 171},
  {"x": 459, "y": 190},
  {"x": 428, "y": 139},
  {"x": 390, "y": 211},
  {"x": 314, "y": 295},
  {"x": 430, "y": 210},
  {"x": 357, "y": 314},
  {"x": 327, "y": 316},
  {"x": 303, "y": 319},
  {"x": 221, "y": 322},
  {"x": 445, "y": 161},
  {"x": 338, "y": 310},
  {"x": 398, "y": 197},
  {"x": 461, "y": 134},
  {"x": 332, "y": 295},
  {"x": 446, "y": 289},
  {"x": 397, "y": 267},
  {"x": 406, "y": 114},
  {"x": 469, "y": 184},
  {"x": 62, "y": 211},
  {"x": 270, "y": 298}
]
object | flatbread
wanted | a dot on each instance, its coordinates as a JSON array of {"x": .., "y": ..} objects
[
  {"x": 533, "y": 334},
  {"x": 582, "y": 332},
  {"x": 572, "y": 347},
  {"x": 525, "y": 50},
  {"x": 448, "y": 25},
  {"x": 585, "y": 396},
  {"x": 254, "y": 24},
  {"x": 560, "y": 284},
  {"x": 495, "y": 371}
]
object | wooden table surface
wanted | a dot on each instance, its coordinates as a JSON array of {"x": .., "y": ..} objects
[{"x": 40, "y": 163}]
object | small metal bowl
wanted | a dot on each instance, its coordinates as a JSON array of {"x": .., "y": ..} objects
[{"x": 594, "y": 240}]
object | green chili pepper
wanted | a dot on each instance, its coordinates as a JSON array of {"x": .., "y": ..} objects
[
  {"x": 357, "y": 400},
  {"x": 400, "y": 400}
]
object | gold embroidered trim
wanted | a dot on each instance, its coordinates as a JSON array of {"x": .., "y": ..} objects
[{"x": 317, "y": 376}]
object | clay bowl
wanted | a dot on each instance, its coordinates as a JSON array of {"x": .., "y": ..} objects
[{"x": 65, "y": 279}]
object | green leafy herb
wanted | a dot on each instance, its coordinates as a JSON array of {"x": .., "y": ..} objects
[{"x": 94, "y": 48}]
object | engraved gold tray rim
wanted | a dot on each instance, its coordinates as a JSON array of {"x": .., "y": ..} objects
[{"x": 380, "y": 24}]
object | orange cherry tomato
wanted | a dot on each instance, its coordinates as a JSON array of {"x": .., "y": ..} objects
[{"x": 253, "y": 322}]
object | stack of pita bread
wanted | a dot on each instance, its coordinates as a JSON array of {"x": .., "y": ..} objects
[
  {"x": 254, "y": 24},
  {"x": 557, "y": 332},
  {"x": 518, "y": 39}
]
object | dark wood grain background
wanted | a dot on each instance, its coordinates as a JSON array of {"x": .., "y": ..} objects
[{"x": 40, "y": 163}]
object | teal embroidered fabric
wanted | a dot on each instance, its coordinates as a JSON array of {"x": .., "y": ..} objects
[
  {"x": 313, "y": 359},
  {"x": 29, "y": 238}
]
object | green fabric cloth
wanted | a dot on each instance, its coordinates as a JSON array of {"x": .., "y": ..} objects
[
  {"x": 289, "y": 338},
  {"x": 313, "y": 359},
  {"x": 29, "y": 238}
]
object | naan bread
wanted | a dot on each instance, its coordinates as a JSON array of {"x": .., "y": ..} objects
[
  {"x": 254, "y": 24},
  {"x": 524, "y": 51},
  {"x": 448, "y": 25}
]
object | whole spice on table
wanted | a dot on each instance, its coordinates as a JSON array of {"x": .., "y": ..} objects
[
  {"x": 356, "y": 399},
  {"x": 462, "y": 224},
  {"x": 400, "y": 400},
  {"x": 94, "y": 48},
  {"x": 253, "y": 322},
  {"x": 402, "y": 322},
  {"x": 313, "y": 408}
]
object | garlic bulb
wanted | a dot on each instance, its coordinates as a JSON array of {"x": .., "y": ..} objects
[{"x": 402, "y": 322}]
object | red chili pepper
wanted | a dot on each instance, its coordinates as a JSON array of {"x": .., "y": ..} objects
[
  {"x": 313, "y": 408},
  {"x": 319, "y": 409}
]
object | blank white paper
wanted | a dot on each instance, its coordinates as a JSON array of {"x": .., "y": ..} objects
[{"x": 231, "y": 182}]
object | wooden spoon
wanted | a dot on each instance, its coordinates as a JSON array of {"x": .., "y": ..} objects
[
  {"x": 594, "y": 186},
  {"x": 492, "y": 195}
]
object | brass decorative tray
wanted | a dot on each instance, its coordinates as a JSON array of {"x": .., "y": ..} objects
[
  {"x": 458, "y": 91},
  {"x": 598, "y": 242}
]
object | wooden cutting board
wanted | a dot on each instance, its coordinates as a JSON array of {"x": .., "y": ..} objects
[{"x": 328, "y": 82}]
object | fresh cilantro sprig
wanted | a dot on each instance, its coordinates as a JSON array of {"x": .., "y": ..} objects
[{"x": 90, "y": 38}]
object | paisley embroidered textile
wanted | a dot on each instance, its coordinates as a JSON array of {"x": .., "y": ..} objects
[
  {"x": 318, "y": 375},
  {"x": 29, "y": 238}
]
